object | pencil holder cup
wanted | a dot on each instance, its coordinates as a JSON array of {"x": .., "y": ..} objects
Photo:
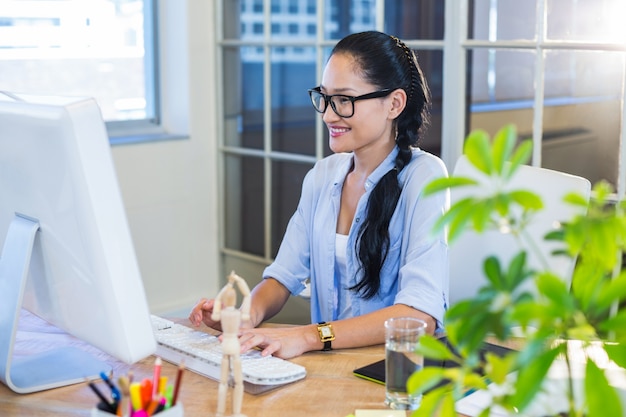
[{"x": 175, "y": 411}]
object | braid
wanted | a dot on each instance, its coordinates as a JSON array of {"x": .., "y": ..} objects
[
  {"x": 386, "y": 62},
  {"x": 410, "y": 59}
]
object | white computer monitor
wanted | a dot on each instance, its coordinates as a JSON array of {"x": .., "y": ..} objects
[{"x": 67, "y": 252}]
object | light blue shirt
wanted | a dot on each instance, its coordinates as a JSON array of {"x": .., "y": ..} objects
[{"x": 415, "y": 272}]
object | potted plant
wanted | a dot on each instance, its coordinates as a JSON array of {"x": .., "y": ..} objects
[{"x": 550, "y": 319}]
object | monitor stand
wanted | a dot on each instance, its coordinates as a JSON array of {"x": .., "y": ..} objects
[{"x": 54, "y": 368}]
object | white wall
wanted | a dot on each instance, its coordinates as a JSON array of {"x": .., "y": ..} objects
[{"x": 170, "y": 187}]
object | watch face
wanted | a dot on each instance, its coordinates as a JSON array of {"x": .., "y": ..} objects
[{"x": 326, "y": 331}]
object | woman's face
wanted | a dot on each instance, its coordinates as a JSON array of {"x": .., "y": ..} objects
[{"x": 371, "y": 125}]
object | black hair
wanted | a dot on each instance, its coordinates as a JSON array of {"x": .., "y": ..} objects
[{"x": 386, "y": 62}]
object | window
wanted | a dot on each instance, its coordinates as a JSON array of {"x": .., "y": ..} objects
[
  {"x": 561, "y": 82},
  {"x": 99, "y": 48}
]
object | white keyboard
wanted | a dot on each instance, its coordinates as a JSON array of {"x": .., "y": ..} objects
[{"x": 202, "y": 353}]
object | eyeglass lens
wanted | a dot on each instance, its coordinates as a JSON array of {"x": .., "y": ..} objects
[{"x": 342, "y": 105}]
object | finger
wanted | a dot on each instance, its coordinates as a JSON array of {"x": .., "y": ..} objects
[
  {"x": 250, "y": 340},
  {"x": 200, "y": 303},
  {"x": 271, "y": 348},
  {"x": 196, "y": 314}
]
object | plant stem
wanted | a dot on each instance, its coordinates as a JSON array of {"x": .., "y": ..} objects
[{"x": 570, "y": 383}]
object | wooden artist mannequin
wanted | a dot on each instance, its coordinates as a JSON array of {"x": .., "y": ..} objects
[{"x": 224, "y": 310}]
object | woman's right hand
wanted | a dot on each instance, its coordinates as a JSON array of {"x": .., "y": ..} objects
[{"x": 201, "y": 313}]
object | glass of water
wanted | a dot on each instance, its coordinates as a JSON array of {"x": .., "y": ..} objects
[{"x": 402, "y": 335}]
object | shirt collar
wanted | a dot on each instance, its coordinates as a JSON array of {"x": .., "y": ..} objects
[
  {"x": 388, "y": 164},
  {"x": 385, "y": 166}
]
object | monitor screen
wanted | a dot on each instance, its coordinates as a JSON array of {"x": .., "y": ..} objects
[{"x": 67, "y": 252}]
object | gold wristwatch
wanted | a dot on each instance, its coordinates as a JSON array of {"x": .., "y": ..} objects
[{"x": 326, "y": 334}]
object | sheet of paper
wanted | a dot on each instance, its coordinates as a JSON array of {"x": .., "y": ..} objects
[{"x": 380, "y": 413}]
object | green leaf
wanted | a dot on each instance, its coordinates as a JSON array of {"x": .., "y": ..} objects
[
  {"x": 521, "y": 156},
  {"x": 447, "y": 407},
  {"x": 431, "y": 347},
  {"x": 493, "y": 272},
  {"x": 503, "y": 144},
  {"x": 431, "y": 402},
  {"x": 481, "y": 214},
  {"x": 585, "y": 281},
  {"x": 474, "y": 381},
  {"x": 497, "y": 368},
  {"x": 536, "y": 369},
  {"x": 602, "y": 400},
  {"x": 525, "y": 313},
  {"x": 614, "y": 291},
  {"x": 527, "y": 199},
  {"x": 501, "y": 202},
  {"x": 460, "y": 218},
  {"x": 478, "y": 152},
  {"x": 616, "y": 352},
  {"x": 553, "y": 287},
  {"x": 617, "y": 322},
  {"x": 485, "y": 413},
  {"x": 576, "y": 199},
  {"x": 458, "y": 215},
  {"x": 424, "y": 379},
  {"x": 441, "y": 184},
  {"x": 468, "y": 333},
  {"x": 516, "y": 273}
]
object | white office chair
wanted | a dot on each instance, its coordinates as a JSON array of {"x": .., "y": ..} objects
[{"x": 468, "y": 252}]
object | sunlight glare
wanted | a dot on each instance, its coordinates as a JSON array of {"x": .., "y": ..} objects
[{"x": 615, "y": 30}]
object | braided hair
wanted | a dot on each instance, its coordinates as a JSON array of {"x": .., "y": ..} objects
[{"x": 386, "y": 62}]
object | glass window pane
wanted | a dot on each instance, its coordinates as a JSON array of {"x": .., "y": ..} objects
[
  {"x": 293, "y": 19},
  {"x": 244, "y": 97},
  {"x": 293, "y": 117},
  {"x": 415, "y": 19},
  {"x": 501, "y": 89},
  {"x": 348, "y": 16},
  {"x": 500, "y": 76},
  {"x": 287, "y": 180},
  {"x": 582, "y": 117},
  {"x": 243, "y": 204},
  {"x": 503, "y": 20},
  {"x": 514, "y": 75},
  {"x": 432, "y": 66},
  {"x": 234, "y": 14},
  {"x": 586, "y": 20},
  {"x": 90, "y": 48},
  {"x": 576, "y": 74}
]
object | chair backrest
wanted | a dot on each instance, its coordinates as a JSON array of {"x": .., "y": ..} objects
[{"x": 469, "y": 251}]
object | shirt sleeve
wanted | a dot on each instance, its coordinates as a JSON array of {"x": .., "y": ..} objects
[
  {"x": 291, "y": 267},
  {"x": 423, "y": 274}
]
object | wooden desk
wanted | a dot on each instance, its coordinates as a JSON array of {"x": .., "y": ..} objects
[{"x": 329, "y": 390}]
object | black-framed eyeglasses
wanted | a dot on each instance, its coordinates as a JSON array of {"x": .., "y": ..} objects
[{"x": 341, "y": 104}]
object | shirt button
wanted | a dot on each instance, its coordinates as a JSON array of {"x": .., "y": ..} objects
[{"x": 357, "y": 219}]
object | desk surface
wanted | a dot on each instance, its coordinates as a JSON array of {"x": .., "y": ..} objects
[{"x": 328, "y": 390}]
